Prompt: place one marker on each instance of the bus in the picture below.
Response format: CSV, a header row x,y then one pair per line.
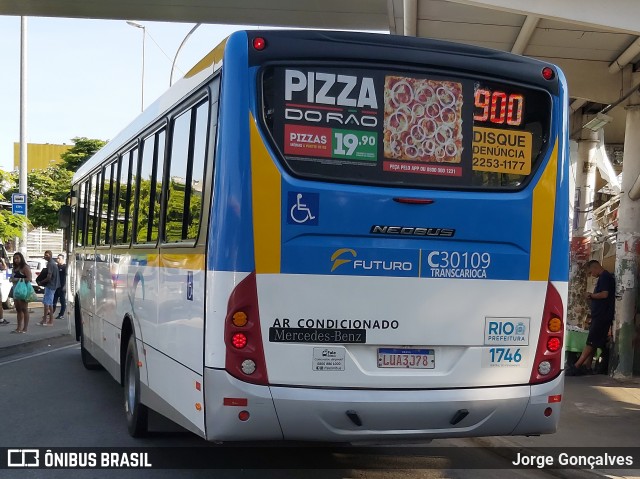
x,y
335,237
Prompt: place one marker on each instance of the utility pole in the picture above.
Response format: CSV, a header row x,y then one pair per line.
x,y
23,126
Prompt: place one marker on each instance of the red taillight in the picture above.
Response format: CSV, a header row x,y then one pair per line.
x,y
259,43
239,340
548,73
245,354
553,344
547,363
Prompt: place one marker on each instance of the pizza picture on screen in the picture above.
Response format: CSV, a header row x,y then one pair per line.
x,y
422,120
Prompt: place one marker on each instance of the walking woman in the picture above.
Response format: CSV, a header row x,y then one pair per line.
x,y
21,271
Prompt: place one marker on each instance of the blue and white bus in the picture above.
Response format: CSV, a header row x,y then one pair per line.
x,y
333,236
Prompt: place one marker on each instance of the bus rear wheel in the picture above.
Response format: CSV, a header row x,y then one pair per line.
x,y
136,412
88,361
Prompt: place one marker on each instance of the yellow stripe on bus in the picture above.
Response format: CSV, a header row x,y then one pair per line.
x,y
193,262
265,180
542,215
190,261
212,58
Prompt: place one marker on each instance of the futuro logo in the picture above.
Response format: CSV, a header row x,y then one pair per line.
x,y
338,261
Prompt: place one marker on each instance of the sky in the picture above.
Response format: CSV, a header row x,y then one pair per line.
x,y
84,76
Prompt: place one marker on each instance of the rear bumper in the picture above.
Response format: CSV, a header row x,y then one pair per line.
x,y
321,414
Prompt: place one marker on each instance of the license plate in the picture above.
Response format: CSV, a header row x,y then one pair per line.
x,y
406,358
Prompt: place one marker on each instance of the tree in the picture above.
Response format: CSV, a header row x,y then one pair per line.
x,y
47,192
83,149
47,189
10,224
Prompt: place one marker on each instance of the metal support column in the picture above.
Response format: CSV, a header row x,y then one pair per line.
x,y
627,250
585,178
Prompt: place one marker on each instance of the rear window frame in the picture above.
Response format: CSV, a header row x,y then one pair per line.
x,y
546,136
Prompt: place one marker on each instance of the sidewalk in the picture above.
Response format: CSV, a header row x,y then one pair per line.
x,y
11,343
597,411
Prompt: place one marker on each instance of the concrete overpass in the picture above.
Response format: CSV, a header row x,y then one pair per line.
x,y
596,43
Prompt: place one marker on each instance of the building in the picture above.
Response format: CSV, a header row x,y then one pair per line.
x,y
39,156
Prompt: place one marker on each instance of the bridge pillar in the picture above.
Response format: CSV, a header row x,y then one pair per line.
x,y
585,180
627,250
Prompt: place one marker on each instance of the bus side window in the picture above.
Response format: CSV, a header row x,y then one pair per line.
x,y
93,206
186,174
158,162
194,206
131,196
144,196
177,178
107,205
82,215
122,200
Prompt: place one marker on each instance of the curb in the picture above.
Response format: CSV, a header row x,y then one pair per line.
x,y
27,347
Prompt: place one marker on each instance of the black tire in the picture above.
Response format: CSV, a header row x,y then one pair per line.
x,y
136,412
88,361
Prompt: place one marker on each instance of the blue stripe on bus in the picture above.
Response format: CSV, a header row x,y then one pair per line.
x,y
231,248
559,270
311,247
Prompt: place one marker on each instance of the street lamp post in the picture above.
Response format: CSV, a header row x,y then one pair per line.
x,y
23,125
144,35
173,65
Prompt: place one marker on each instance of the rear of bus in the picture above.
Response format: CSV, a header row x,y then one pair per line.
x,y
388,251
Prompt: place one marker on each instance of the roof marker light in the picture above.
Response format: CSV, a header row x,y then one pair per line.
x,y
548,73
259,43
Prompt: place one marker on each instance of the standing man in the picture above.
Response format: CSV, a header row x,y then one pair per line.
x,y
61,292
51,283
603,304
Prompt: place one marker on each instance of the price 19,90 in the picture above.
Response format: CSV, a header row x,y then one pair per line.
x,y
356,145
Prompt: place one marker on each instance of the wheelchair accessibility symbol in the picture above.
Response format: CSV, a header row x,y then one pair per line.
x,y
303,208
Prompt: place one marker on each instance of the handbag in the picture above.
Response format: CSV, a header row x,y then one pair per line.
x,y
32,297
21,291
42,276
